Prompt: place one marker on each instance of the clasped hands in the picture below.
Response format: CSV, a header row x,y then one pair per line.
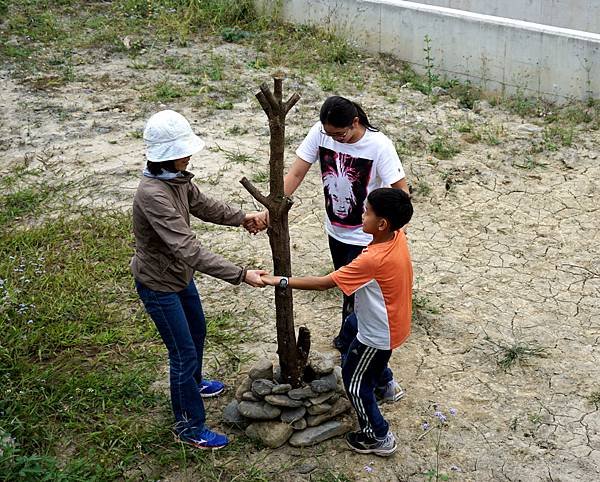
x,y
259,278
256,222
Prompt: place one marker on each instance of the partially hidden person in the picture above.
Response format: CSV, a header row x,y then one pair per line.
x,y
354,158
381,279
167,253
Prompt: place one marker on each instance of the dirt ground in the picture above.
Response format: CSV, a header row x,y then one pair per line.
x,y
504,241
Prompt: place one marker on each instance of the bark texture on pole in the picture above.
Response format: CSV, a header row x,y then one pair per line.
x,y
293,354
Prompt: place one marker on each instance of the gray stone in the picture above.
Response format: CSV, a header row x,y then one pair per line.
x,y
322,363
283,401
302,393
318,409
314,435
341,406
281,388
258,410
277,374
243,387
299,424
262,387
262,369
231,415
293,414
250,397
272,434
307,467
438,91
529,129
324,384
322,398
340,381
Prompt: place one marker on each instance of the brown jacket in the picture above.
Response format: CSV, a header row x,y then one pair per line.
x,y
167,252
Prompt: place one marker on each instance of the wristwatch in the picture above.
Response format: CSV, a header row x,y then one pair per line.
x,y
283,282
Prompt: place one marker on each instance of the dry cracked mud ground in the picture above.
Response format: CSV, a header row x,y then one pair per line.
x,y
504,239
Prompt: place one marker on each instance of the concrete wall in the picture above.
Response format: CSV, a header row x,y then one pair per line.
x,y
573,14
497,53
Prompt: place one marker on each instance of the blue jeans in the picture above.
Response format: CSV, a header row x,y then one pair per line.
x,y
361,371
179,318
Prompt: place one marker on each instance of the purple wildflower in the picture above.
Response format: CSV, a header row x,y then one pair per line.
x,y
441,417
425,425
453,412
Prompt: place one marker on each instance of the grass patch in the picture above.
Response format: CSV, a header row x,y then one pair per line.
x,y
443,147
78,355
422,307
165,91
508,355
594,398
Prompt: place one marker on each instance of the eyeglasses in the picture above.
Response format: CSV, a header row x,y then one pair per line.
x,y
338,135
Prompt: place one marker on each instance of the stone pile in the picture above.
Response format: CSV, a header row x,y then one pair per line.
x,y
274,413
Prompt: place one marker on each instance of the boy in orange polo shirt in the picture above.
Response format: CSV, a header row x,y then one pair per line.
x,y
381,276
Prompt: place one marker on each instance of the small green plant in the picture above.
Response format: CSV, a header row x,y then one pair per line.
x,y
237,130
431,77
555,135
237,157
234,34
422,188
594,398
261,176
442,147
466,93
165,91
528,163
215,70
508,355
422,306
464,127
327,81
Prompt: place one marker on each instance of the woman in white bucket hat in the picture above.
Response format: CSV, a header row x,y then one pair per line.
x,y
167,253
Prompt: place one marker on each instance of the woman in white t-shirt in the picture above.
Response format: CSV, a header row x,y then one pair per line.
x,y
354,158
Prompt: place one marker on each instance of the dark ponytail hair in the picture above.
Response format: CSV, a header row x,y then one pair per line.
x,y
340,112
156,168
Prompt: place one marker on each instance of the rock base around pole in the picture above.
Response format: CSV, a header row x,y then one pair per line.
x,y
273,413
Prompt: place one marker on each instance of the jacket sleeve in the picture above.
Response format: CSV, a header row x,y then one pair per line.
x,y
212,210
174,231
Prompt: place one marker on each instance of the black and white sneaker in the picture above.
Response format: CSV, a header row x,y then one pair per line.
x,y
363,444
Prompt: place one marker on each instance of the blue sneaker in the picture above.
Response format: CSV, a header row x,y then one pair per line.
x,y
203,439
210,388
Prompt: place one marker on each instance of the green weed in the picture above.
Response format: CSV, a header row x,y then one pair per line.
x,y
260,176
422,188
431,77
528,163
237,157
594,398
556,135
327,81
443,147
165,91
508,355
422,307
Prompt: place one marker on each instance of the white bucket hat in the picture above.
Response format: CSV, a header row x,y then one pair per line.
x,y
168,136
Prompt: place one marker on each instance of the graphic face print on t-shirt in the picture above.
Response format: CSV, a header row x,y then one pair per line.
x,y
345,180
